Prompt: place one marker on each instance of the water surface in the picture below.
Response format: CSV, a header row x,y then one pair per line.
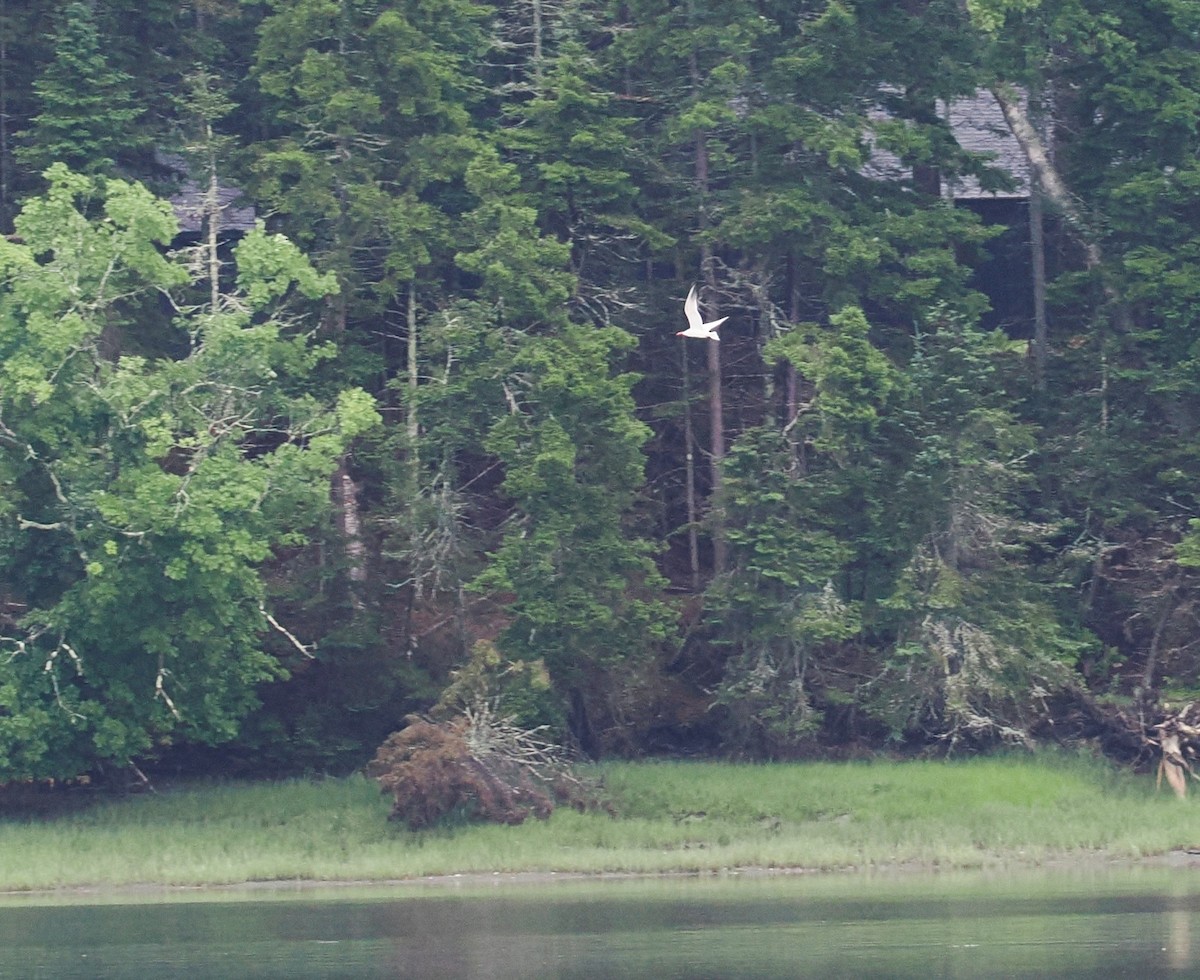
x,y
1133,923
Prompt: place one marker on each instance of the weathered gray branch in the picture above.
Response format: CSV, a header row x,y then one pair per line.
x,y
1045,173
286,632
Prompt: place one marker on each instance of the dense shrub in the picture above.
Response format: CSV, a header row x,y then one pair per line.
x,y
475,765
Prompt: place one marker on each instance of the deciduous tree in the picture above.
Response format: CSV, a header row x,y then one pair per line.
x,y
156,450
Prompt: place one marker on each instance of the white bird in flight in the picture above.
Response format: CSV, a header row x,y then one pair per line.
x,y
696,326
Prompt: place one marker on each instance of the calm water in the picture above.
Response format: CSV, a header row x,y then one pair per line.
x,y
1128,923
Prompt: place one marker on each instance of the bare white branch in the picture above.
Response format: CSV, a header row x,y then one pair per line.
x,y
275,624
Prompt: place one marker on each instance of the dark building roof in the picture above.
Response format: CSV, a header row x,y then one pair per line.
x,y
979,126
190,201
190,204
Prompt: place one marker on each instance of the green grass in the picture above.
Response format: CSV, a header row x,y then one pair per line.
x,y
673,816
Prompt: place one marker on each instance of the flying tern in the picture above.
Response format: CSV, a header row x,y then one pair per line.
x,y
696,326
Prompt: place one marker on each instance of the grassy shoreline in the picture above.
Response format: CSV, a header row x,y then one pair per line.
x,y
673,817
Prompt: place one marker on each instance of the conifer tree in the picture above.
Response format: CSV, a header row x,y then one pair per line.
x,y
979,646
85,113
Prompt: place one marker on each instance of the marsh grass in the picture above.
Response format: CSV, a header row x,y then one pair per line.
x,y
673,816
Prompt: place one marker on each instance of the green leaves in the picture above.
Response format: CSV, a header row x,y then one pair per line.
x,y
370,136
59,288
990,15
270,265
168,478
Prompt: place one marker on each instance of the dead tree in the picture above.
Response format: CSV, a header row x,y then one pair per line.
x,y
1177,737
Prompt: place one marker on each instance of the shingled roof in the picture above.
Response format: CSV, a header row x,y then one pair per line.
x,y
191,204
190,201
979,127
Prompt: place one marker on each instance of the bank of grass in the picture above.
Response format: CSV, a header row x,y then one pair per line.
x,y
672,816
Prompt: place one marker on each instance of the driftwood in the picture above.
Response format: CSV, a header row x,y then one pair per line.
x,y
1177,737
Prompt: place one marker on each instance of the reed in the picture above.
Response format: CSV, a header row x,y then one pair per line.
x,y
672,817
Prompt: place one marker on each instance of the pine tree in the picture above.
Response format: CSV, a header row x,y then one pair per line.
x,y
25,36
86,115
808,547
583,583
1118,89
979,644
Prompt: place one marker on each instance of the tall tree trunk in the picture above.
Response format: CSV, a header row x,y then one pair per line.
x,y
537,45
344,494
1046,174
1050,183
345,499
690,471
412,425
716,421
791,401
1037,250
5,162
716,408
212,220
343,491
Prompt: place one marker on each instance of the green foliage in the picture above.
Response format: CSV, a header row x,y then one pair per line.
x,y
918,526
367,109
778,609
521,271
584,589
85,108
148,490
796,527
978,648
1188,550
853,380
826,561
521,690
577,581
991,14
572,150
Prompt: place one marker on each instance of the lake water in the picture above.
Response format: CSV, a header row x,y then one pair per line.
x,y
1131,922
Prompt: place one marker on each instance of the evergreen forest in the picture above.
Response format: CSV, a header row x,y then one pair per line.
x,y
340,384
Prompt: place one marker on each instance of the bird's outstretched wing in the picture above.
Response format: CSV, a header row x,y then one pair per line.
x,y
691,309
696,326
